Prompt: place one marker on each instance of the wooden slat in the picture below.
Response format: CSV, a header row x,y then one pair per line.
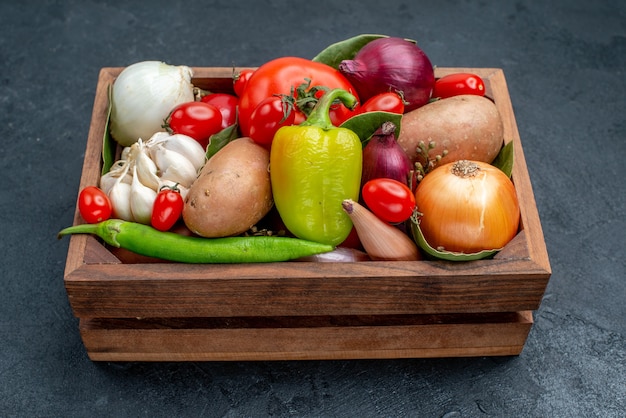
x,y
132,341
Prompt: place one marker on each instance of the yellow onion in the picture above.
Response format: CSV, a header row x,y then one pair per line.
x,y
467,207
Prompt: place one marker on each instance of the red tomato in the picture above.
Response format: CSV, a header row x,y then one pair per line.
x,y
271,114
283,76
94,205
389,199
168,206
240,80
195,119
226,104
384,102
457,84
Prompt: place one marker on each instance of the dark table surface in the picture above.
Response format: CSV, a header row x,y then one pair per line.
x,y
565,64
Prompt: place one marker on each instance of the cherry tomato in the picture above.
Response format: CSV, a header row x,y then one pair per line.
x,y
195,119
240,80
272,113
283,76
94,205
168,206
389,199
457,84
384,102
226,104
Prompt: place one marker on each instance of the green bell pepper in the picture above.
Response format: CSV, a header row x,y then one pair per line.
x,y
313,168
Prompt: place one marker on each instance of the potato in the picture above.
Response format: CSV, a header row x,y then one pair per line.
x,y
232,192
469,127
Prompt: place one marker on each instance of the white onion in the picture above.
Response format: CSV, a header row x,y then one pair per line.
x,y
143,95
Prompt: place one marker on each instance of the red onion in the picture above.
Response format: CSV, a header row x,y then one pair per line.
x,y
391,64
383,157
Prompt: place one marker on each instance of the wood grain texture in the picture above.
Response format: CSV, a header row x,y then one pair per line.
x,y
328,338
106,293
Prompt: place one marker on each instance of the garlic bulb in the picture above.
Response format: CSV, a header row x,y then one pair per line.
x,y
133,182
143,96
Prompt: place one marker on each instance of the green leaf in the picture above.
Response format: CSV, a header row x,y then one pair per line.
x,y
364,125
504,159
108,144
444,255
220,139
345,50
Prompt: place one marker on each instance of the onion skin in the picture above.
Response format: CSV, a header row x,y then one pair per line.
x,y
391,64
380,240
143,96
467,207
384,157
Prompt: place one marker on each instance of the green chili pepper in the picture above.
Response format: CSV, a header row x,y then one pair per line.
x,y
145,240
313,168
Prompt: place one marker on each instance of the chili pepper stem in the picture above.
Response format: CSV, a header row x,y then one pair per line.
x,y
106,230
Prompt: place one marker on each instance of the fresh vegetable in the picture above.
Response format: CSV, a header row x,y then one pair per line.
x,y
145,167
389,199
143,96
467,207
232,192
458,84
383,157
292,75
198,120
141,199
145,240
226,104
94,205
313,167
240,80
461,127
380,240
270,115
167,209
391,64
384,102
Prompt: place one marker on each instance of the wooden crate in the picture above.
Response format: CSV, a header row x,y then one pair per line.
x,y
158,311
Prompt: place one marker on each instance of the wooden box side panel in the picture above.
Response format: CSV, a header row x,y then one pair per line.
x,y
130,340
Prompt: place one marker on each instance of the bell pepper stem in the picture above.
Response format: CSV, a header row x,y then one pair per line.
x,y
320,115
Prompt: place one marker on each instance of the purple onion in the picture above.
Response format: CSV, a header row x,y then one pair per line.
x,y
384,158
391,64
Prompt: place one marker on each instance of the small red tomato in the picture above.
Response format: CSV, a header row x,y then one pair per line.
x,y
226,104
94,205
384,102
270,115
240,80
457,84
195,119
389,199
167,209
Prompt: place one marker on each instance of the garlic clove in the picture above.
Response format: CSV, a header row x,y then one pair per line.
x,y
141,200
187,147
146,170
120,200
173,166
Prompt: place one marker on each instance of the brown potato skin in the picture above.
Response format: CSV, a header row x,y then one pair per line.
x,y
232,191
469,127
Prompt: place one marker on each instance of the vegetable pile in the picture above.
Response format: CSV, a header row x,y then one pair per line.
x,y
357,154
